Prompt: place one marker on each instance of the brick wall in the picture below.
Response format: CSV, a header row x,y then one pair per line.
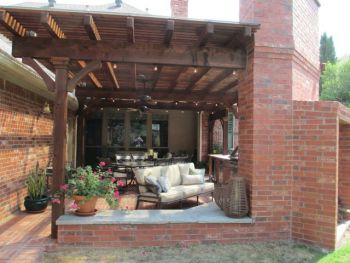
x,y
305,30
204,135
315,172
25,137
164,234
306,61
179,8
265,106
344,165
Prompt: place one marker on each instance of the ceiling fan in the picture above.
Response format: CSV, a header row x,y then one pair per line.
x,y
144,99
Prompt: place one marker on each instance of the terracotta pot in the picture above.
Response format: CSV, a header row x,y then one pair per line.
x,y
86,206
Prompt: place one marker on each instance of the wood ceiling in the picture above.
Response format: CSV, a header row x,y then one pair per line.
x,y
187,61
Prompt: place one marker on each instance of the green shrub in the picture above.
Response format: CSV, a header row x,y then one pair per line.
x,y
36,183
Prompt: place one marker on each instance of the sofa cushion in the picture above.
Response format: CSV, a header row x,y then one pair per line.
x,y
164,183
140,178
191,179
174,194
191,190
207,187
185,167
154,185
173,174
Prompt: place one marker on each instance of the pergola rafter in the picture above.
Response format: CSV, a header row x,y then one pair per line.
x,y
55,31
94,34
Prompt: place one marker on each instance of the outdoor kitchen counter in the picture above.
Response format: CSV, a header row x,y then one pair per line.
x,y
220,167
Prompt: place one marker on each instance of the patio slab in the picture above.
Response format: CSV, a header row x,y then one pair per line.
x,y
206,213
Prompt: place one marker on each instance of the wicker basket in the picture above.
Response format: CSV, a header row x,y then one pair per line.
x,y
232,197
218,195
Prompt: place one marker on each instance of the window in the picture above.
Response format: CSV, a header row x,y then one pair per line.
x,y
115,129
138,130
159,130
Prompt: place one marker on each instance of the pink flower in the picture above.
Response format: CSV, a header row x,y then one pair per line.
x,y
56,201
64,187
109,170
116,195
127,207
102,164
120,183
113,180
73,206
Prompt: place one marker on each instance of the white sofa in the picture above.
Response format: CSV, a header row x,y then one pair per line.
x,y
178,191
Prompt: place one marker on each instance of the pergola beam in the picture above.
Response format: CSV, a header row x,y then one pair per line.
x,y
232,85
56,32
156,77
145,53
82,73
216,81
169,31
130,26
197,78
206,34
93,33
195,96
176,77
160,105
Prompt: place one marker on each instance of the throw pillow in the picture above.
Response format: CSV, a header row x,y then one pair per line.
x,y
164,183
189,179
196,172
154,185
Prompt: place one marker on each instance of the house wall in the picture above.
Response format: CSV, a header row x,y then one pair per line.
x,y
25,137
182,131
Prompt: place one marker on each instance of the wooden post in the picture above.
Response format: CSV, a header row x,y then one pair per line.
x,y
225,134
59,133
81,140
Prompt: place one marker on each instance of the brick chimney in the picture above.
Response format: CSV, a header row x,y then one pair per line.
x,y
179,8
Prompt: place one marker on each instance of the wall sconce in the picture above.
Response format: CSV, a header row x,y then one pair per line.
x,y
46,108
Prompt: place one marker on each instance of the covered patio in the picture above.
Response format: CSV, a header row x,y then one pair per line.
x,y
132,68
131,71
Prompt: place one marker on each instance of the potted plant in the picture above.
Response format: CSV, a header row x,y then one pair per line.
x,y
86,185
37,200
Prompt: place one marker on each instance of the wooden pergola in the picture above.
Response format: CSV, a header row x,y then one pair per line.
x,y
193,65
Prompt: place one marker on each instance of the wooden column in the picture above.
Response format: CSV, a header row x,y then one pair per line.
x,y
149,131
81,140
59,133
225,134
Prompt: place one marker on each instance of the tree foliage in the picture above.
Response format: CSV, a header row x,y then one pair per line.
x,y
327,50
336,82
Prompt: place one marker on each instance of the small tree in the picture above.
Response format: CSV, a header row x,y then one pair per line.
x,y
336,82
327,50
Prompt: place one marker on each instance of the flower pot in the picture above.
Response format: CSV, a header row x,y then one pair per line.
x,y
36,206
86,206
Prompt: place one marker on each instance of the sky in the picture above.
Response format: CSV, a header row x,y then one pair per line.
x,y
333,14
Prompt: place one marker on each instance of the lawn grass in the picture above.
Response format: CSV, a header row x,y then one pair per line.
x,y
269,252
279,252
342,255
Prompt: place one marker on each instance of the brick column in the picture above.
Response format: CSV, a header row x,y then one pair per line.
x,y
265,106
